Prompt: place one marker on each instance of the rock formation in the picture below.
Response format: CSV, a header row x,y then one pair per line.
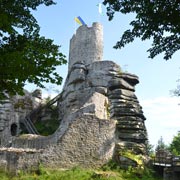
x,y
125,108
98,109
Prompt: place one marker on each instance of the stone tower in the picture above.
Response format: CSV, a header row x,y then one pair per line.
x,y
86,45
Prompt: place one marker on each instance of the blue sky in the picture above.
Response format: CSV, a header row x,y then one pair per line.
x,y
157,76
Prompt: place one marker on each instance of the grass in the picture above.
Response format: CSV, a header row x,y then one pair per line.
x,y
105,173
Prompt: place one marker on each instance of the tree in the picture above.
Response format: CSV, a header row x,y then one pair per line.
x,y
149,147
176,92
161,145
156,19
25,56
175,145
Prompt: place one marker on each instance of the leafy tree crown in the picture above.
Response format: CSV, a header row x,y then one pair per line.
x,y
155,19
25,56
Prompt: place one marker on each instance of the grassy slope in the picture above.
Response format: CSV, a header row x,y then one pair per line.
x,y
80,174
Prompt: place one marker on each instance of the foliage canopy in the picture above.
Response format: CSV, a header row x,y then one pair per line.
x,y
161,145
175,145
25,56
154,19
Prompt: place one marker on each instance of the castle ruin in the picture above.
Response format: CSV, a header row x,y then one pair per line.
x,y
99,114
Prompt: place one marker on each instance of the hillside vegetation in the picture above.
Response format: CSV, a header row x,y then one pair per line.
x,y
83,174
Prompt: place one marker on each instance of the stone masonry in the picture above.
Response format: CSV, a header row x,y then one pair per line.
x,y
99,112
12,111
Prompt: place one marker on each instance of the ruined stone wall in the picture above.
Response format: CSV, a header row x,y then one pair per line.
x,y
12,110
14,159
88,142
7,118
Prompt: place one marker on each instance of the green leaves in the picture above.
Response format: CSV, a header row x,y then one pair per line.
x,y
154,19
175,145
161,145
26,56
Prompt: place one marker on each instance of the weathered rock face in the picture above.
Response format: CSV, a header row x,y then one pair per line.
x,y
99,111
86,136
125,108
98,90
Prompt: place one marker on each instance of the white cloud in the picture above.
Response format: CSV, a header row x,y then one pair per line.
x,y
163,118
